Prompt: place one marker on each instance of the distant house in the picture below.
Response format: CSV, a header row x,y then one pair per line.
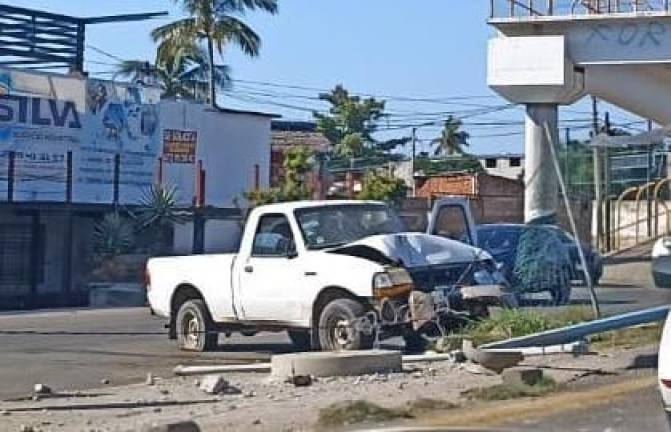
x,y
493,198
289,134
509,165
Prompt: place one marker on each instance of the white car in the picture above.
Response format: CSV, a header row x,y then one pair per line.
x,y
661,263
328,273
664,368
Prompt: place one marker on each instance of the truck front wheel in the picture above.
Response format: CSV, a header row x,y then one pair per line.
x,y
195,329
338,329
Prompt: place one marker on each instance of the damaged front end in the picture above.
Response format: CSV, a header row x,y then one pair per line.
x,y
429,284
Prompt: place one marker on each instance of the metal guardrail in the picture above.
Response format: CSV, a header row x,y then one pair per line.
x,y
540,8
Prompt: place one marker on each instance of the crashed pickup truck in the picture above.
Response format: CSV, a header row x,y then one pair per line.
x,y
336,275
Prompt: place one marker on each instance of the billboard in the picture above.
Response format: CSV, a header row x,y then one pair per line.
x,y
43,116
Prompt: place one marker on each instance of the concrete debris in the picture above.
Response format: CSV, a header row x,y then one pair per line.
x,y
104,381
522,376
187,426
42,389
216,384
476,369
494,360
205,370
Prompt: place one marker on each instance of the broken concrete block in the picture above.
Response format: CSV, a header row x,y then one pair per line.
x,y
216,384
42,389
187,426
522,376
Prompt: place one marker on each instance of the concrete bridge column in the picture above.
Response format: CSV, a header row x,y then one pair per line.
x,y
540,179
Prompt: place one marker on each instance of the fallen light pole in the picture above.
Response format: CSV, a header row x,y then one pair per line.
x,y
567,335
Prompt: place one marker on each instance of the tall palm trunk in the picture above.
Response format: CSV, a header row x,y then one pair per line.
x,y
213,88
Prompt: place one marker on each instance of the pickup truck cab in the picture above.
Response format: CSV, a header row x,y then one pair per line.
x,y
335,274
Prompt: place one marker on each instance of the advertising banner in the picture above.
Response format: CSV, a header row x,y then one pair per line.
x,y
43,116
179,146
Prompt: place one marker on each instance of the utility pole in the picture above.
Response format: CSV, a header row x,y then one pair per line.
x,y
647,189
413,160
596,156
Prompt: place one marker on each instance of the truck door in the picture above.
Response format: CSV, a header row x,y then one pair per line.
x,y
451,218
269,274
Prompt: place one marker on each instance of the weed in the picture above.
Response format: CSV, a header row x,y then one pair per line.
x,y
360,411
506,391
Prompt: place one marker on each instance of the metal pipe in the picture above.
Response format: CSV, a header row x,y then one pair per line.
x,y
643,188
618,237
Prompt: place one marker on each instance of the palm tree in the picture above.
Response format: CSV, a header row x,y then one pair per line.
x,y
452,140
181,73
216,23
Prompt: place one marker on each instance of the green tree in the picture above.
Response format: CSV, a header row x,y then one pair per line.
x,y
215,23
382,187
297,164
181,73
351,123
452,139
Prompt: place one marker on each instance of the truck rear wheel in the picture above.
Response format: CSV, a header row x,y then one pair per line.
x,y
300,339
195,329
337,327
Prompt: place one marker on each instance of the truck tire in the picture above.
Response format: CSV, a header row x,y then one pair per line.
x,y
301,339
337,331
195,329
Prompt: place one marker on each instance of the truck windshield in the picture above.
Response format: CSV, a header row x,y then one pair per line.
x,y
330,226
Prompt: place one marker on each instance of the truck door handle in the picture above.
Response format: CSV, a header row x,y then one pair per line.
x,y
249,269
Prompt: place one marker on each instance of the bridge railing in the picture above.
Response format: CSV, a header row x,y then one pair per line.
x,y
540,8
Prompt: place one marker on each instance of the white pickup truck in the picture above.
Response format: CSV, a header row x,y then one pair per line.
x,y
335,274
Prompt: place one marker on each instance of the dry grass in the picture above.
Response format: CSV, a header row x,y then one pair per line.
x,y
507,391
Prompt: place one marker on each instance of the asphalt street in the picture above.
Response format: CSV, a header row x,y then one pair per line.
x,y
637,412
79,349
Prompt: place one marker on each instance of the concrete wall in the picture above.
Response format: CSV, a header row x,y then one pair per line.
x,y
229,144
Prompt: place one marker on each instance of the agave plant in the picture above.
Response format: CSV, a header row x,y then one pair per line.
x,y
113,235
159,207
157,213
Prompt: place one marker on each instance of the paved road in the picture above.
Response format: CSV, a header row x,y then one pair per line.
x,y
78,349
639,411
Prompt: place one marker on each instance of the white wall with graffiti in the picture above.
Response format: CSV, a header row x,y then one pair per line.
x,y
45,116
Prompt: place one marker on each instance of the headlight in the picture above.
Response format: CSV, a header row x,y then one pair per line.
x,y
392,283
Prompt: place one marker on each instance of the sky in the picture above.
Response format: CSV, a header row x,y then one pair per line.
x,y
427,58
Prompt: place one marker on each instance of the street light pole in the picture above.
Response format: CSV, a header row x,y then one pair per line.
x,y
414,156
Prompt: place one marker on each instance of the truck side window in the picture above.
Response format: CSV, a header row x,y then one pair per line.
x,y
273,237
452,223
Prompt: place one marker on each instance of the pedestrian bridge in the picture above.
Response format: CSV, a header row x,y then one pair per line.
x,y
553,52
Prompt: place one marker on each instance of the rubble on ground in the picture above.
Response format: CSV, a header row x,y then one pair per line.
x,y
260,403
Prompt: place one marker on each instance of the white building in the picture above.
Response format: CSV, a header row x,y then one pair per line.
x,y
234,149
509,165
